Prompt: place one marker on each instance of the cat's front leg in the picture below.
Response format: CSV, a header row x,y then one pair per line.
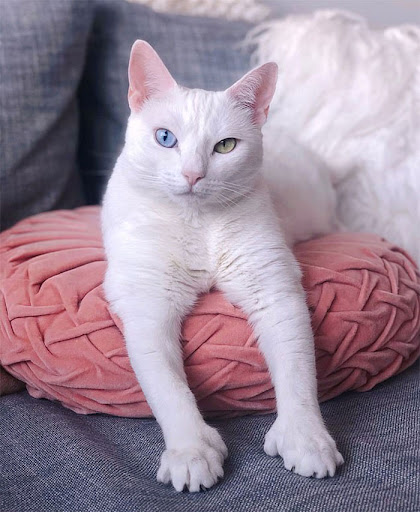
x,y
260,274
195,452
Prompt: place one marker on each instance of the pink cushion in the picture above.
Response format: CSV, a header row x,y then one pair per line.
x,y
59,336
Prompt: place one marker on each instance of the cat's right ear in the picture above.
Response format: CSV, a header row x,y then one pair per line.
x,y
147,75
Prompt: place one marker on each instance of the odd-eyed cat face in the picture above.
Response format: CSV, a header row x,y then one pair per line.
x,y
195,146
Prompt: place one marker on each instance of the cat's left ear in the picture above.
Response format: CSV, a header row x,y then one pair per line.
x,y
147,75
255,91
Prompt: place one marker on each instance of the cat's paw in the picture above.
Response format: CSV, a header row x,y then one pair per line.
x,y
306,447
196,465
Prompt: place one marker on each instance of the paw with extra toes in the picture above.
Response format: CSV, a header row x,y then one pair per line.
x,y
196,465
307,450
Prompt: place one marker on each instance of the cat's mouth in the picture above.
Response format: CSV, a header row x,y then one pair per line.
x,y
190,193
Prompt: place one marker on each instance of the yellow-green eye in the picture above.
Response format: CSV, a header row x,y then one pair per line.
x,y
225,145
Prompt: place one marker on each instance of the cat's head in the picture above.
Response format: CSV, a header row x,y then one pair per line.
x,y
195,146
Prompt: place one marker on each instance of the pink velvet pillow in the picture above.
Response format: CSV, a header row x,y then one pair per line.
x,y
59,336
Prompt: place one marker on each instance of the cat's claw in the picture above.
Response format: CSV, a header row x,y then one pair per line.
x,y
195,466
306,448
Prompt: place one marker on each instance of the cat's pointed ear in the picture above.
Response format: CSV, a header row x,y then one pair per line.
x,y
147,75
255,91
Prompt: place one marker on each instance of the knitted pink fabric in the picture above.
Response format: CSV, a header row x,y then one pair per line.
x,y
59,336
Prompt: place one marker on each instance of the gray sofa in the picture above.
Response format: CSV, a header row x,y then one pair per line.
x,y
63,110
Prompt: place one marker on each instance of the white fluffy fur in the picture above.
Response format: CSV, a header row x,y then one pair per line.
x,y
247,10
351,95
166,244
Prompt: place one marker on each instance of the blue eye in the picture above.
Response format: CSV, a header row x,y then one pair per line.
x,y
165,138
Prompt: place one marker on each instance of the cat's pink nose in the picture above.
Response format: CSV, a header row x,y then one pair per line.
x,y
192,177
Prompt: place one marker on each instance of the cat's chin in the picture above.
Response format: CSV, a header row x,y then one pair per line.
x,y
191,196
195,201
188,193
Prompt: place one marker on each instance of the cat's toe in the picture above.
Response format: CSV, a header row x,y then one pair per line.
x,y
316,465
270,444
163,474
201,475
194,468
214,439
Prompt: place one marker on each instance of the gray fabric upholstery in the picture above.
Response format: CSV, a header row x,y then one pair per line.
x,y
42,49
52,460
199,52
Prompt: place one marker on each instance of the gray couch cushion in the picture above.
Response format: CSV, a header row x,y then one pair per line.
x,y
52,460
42,49
199,52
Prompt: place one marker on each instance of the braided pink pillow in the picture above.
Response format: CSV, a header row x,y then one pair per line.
x,y
59,337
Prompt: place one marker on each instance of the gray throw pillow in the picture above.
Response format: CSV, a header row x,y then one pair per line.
x,y
199,52
42,51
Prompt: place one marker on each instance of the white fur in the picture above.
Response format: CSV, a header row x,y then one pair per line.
x,y
247,10
351,95
165,246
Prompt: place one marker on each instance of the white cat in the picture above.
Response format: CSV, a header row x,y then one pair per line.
x,y
187,209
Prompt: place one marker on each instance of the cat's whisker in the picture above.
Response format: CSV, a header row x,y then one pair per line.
x,y
235,190
222,203
237,194
234,187
229,201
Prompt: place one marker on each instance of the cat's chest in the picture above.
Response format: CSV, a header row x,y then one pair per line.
x,y
192,256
